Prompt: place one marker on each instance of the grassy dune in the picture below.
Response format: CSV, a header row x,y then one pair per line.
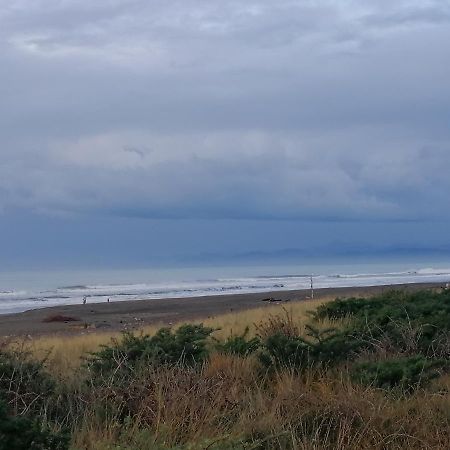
x,y
226,402
355,374
64,353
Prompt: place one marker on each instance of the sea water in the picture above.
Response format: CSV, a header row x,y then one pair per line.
x,y
24,290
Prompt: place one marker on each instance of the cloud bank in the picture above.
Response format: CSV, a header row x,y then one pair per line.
x,y
328,110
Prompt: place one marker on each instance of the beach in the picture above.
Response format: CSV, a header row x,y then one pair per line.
x,y
132,315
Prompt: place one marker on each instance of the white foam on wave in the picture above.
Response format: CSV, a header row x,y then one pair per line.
x,y
432,272
13,294
20,300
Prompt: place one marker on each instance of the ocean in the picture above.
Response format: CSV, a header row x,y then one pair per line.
x,y
25,290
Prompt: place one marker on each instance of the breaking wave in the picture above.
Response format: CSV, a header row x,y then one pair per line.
x,y
16,300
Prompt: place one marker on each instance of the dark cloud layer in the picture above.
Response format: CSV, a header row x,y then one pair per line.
x,y
329,110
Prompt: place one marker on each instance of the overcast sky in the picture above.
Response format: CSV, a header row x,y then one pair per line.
x,y
143,129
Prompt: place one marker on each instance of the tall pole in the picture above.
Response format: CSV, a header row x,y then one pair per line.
x,y
312,288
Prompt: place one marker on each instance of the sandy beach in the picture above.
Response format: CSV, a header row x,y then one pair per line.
x,y
128,315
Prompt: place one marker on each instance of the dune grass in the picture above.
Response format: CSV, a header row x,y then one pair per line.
x,y
64,354
224,400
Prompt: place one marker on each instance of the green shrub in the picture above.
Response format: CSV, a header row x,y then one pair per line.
x,y
21,433
408,322
321,348
187,345
281,351
341,308
239,345
24,382
405,373
396,321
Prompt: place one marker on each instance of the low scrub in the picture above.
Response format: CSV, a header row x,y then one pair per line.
x,y
185,346
407,373
327,385
238,345
24,382
407,322
318,348
21,433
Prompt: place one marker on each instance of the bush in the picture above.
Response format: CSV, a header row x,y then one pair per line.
x,y
187,345
395,322
239,345
24,382
321,348
21,433
341,308
281,351
409,322
278,324
404,373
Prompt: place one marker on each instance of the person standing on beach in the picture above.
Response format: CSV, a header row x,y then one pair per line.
x,y
84,300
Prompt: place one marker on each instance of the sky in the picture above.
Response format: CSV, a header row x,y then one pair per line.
x,y
139,132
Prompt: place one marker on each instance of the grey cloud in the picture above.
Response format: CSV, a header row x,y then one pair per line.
x,y
435,12
226,109
138,151
237,175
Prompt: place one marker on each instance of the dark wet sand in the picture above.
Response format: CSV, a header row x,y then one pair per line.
x,y
133,314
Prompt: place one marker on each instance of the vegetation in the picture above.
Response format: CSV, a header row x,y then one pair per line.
x,y
406,373
409,322
26,393
238,344
18,432
24,382
185,346
356,373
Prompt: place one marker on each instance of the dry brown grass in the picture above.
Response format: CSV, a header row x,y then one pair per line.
x,y
230,398
227,399
65,352
236,322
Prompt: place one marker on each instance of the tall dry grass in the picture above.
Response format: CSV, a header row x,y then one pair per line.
x,y
229,400
64,353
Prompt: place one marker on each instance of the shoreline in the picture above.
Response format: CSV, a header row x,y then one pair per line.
x,y
133,314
